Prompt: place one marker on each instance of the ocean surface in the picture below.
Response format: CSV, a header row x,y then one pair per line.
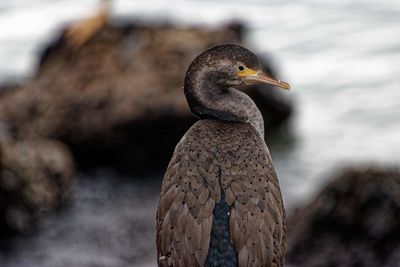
x,y
342,59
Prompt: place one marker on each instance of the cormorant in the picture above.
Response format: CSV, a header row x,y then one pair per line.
x,y
220,202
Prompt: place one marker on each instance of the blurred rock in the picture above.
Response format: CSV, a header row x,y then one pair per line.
x,y
7,87
36,177
118,99
354,221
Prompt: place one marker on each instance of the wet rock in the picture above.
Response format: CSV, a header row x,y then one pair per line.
x,y
36,177
354,221
118,100
8,86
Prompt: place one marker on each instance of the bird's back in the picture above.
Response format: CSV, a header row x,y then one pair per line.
x,y
220,201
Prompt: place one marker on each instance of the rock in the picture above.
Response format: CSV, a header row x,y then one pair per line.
x,y
8,87
36,177
118,99
354,221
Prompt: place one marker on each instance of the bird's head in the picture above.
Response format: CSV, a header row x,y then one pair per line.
x,y
230,65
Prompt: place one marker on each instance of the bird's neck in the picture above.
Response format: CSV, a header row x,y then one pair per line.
x,y
209,100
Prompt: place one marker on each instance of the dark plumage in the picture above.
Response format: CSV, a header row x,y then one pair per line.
x,y
220,202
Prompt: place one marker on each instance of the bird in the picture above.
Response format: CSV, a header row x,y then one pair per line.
x,y
80,32
220,201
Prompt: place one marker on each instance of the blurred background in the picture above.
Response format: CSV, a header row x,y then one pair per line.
x,y
91,107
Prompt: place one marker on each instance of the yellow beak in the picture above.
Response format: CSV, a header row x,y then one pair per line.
x,y
252,76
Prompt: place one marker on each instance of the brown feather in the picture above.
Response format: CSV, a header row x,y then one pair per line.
x,y
215,156
243,257
229,196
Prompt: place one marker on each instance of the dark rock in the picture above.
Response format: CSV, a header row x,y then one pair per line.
x,y
118,99
36,177
354,221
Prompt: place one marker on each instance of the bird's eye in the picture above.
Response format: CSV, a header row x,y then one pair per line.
x,y
241,68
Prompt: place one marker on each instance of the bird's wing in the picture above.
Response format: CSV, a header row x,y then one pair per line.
x,y
257,220
212,157
185,212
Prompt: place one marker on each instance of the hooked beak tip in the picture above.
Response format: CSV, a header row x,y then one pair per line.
x,y
263,78
283,85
